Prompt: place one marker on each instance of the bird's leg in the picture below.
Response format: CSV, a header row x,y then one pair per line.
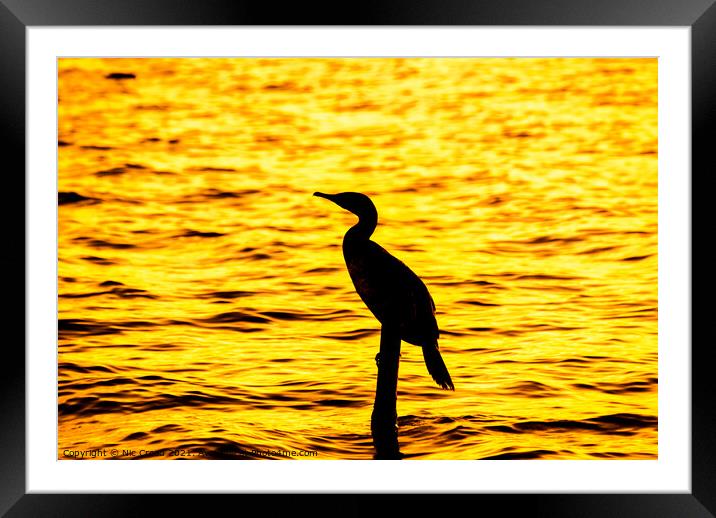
x,y
385,416
377,358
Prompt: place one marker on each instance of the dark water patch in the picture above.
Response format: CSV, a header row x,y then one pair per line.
x,y
549,327
152,107
97,148
341,403
133,324
645,310
72,327
462,283
258,257
163,347
351,335
604,232
112,382
284,315
494,200
614,424
100,243
480,329
502,428
121,75
115,171
598,250
70,197
458,434
151,139
518,134
444,420
284,87
549,239
135,436
84,369
593,209
476,303
236,316
68,327
568,360
118,171
111,283
124,293
267,139
554,288
509,332
542,277
533,389
152,377
323,269
209,169
611,455
197,233
94,405
628,420
80,347
637,257
523,455
215,194
337,314
230,295
213,325
288,230
619,388
412,420
167,428
87,406
63,143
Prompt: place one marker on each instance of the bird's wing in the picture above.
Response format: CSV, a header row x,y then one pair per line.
x,y
408,295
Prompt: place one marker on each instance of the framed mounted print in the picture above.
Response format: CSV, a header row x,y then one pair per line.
x,y
454,242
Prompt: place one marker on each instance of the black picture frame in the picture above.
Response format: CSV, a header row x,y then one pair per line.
x,y
17,15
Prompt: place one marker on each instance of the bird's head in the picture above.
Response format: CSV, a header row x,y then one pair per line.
x,y
355,202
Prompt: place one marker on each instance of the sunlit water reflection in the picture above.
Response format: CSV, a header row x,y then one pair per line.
x,y
203,299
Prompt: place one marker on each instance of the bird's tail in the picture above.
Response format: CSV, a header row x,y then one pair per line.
x,y
436,366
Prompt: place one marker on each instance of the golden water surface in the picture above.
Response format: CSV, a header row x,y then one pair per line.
x,y
204,306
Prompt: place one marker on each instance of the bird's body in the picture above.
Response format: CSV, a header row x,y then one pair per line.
x,y
393,292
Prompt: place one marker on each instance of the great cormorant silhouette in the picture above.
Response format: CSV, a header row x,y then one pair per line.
x,y
392,291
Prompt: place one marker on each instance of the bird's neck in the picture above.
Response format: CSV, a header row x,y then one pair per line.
x,y
362,230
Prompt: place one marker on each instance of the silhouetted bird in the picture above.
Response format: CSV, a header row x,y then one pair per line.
x,y
394,294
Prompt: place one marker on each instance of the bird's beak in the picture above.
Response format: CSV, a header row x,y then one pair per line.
x,y
323,195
